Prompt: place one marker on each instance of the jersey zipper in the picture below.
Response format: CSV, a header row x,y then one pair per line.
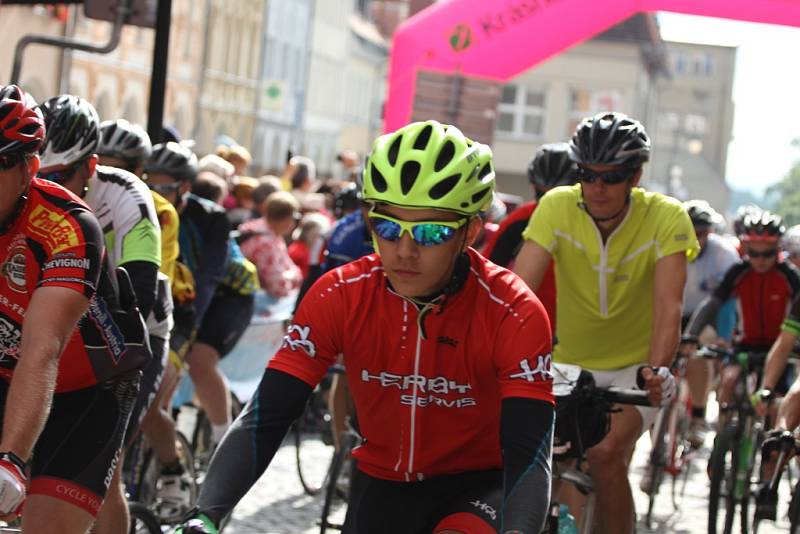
x,y
603,267
413,436
417,354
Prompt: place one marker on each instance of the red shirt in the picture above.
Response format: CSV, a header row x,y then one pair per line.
x,y
504,244
55,242
425,406
763,300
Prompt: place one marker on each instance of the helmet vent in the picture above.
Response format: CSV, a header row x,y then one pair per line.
x,y
422,139
394,150
408,176
445,156
477,197
377,179
444,187
485,171
29,129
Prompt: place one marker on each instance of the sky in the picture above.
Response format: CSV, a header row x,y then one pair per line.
x,y
766,93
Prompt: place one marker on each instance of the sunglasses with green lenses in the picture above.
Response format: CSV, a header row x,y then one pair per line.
x,y
424,233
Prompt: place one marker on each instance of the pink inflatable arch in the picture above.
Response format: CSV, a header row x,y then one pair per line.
x,y
498,39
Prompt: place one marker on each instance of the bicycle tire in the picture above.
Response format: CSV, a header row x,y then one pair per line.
x,y
682,454
794,510
744,505
143,521
332,492
307,434
186,458
723,478
657,462
201,436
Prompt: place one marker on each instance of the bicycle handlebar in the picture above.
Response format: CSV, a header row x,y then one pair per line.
x,y
635,397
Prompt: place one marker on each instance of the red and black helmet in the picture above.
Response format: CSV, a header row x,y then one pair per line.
x,y
21,122
761,226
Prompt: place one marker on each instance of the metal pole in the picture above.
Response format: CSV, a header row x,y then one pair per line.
x,y
116,31
158,80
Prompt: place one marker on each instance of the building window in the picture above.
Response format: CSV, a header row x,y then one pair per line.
x,y
694,124
586,103
520,112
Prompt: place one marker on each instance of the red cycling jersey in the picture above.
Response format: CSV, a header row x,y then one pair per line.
x,y
503,246
54,242
426,405
763,300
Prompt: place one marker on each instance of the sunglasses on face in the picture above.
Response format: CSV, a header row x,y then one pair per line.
x,y
9,162
608,177
424,233
164,188
765,254
58,176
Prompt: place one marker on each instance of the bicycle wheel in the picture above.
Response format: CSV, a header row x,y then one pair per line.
x,y
747,496
682,454
724,462
333,490
794,510
311,451
186,458
202,449
657,463
142,519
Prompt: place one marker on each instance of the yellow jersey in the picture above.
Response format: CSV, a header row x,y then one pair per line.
x,y
180,277
604,291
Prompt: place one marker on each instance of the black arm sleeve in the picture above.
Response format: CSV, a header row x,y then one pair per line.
x,y
508,243
526,437
705,314
249,445
211,267
707,311
144,278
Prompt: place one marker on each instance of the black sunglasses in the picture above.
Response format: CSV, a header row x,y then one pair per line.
x,y
765,254
10,161
608,177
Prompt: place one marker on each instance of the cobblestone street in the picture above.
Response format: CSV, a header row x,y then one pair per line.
x,y
277,504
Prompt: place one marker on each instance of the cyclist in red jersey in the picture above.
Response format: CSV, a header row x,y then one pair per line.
x,y
58,408
549,168
764,285
448,359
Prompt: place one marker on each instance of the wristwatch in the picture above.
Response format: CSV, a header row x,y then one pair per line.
x,y
14,459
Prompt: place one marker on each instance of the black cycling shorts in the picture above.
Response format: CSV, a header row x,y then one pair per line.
x,y
78,450
466,502
148,387
226,319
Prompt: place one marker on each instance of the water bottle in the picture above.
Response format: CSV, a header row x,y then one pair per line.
x,y
566,521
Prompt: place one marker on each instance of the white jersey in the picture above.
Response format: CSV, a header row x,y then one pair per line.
x,y
124,207
703,274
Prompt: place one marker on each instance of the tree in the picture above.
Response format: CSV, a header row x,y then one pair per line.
x,y
786,193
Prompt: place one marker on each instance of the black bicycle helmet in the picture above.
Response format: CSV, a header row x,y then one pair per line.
x,y
610,138
701,213
126,141
764,226
348,198
551,167
173,159
73,131
21,122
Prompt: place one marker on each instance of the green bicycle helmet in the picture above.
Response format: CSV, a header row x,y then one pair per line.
x,y
430,165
